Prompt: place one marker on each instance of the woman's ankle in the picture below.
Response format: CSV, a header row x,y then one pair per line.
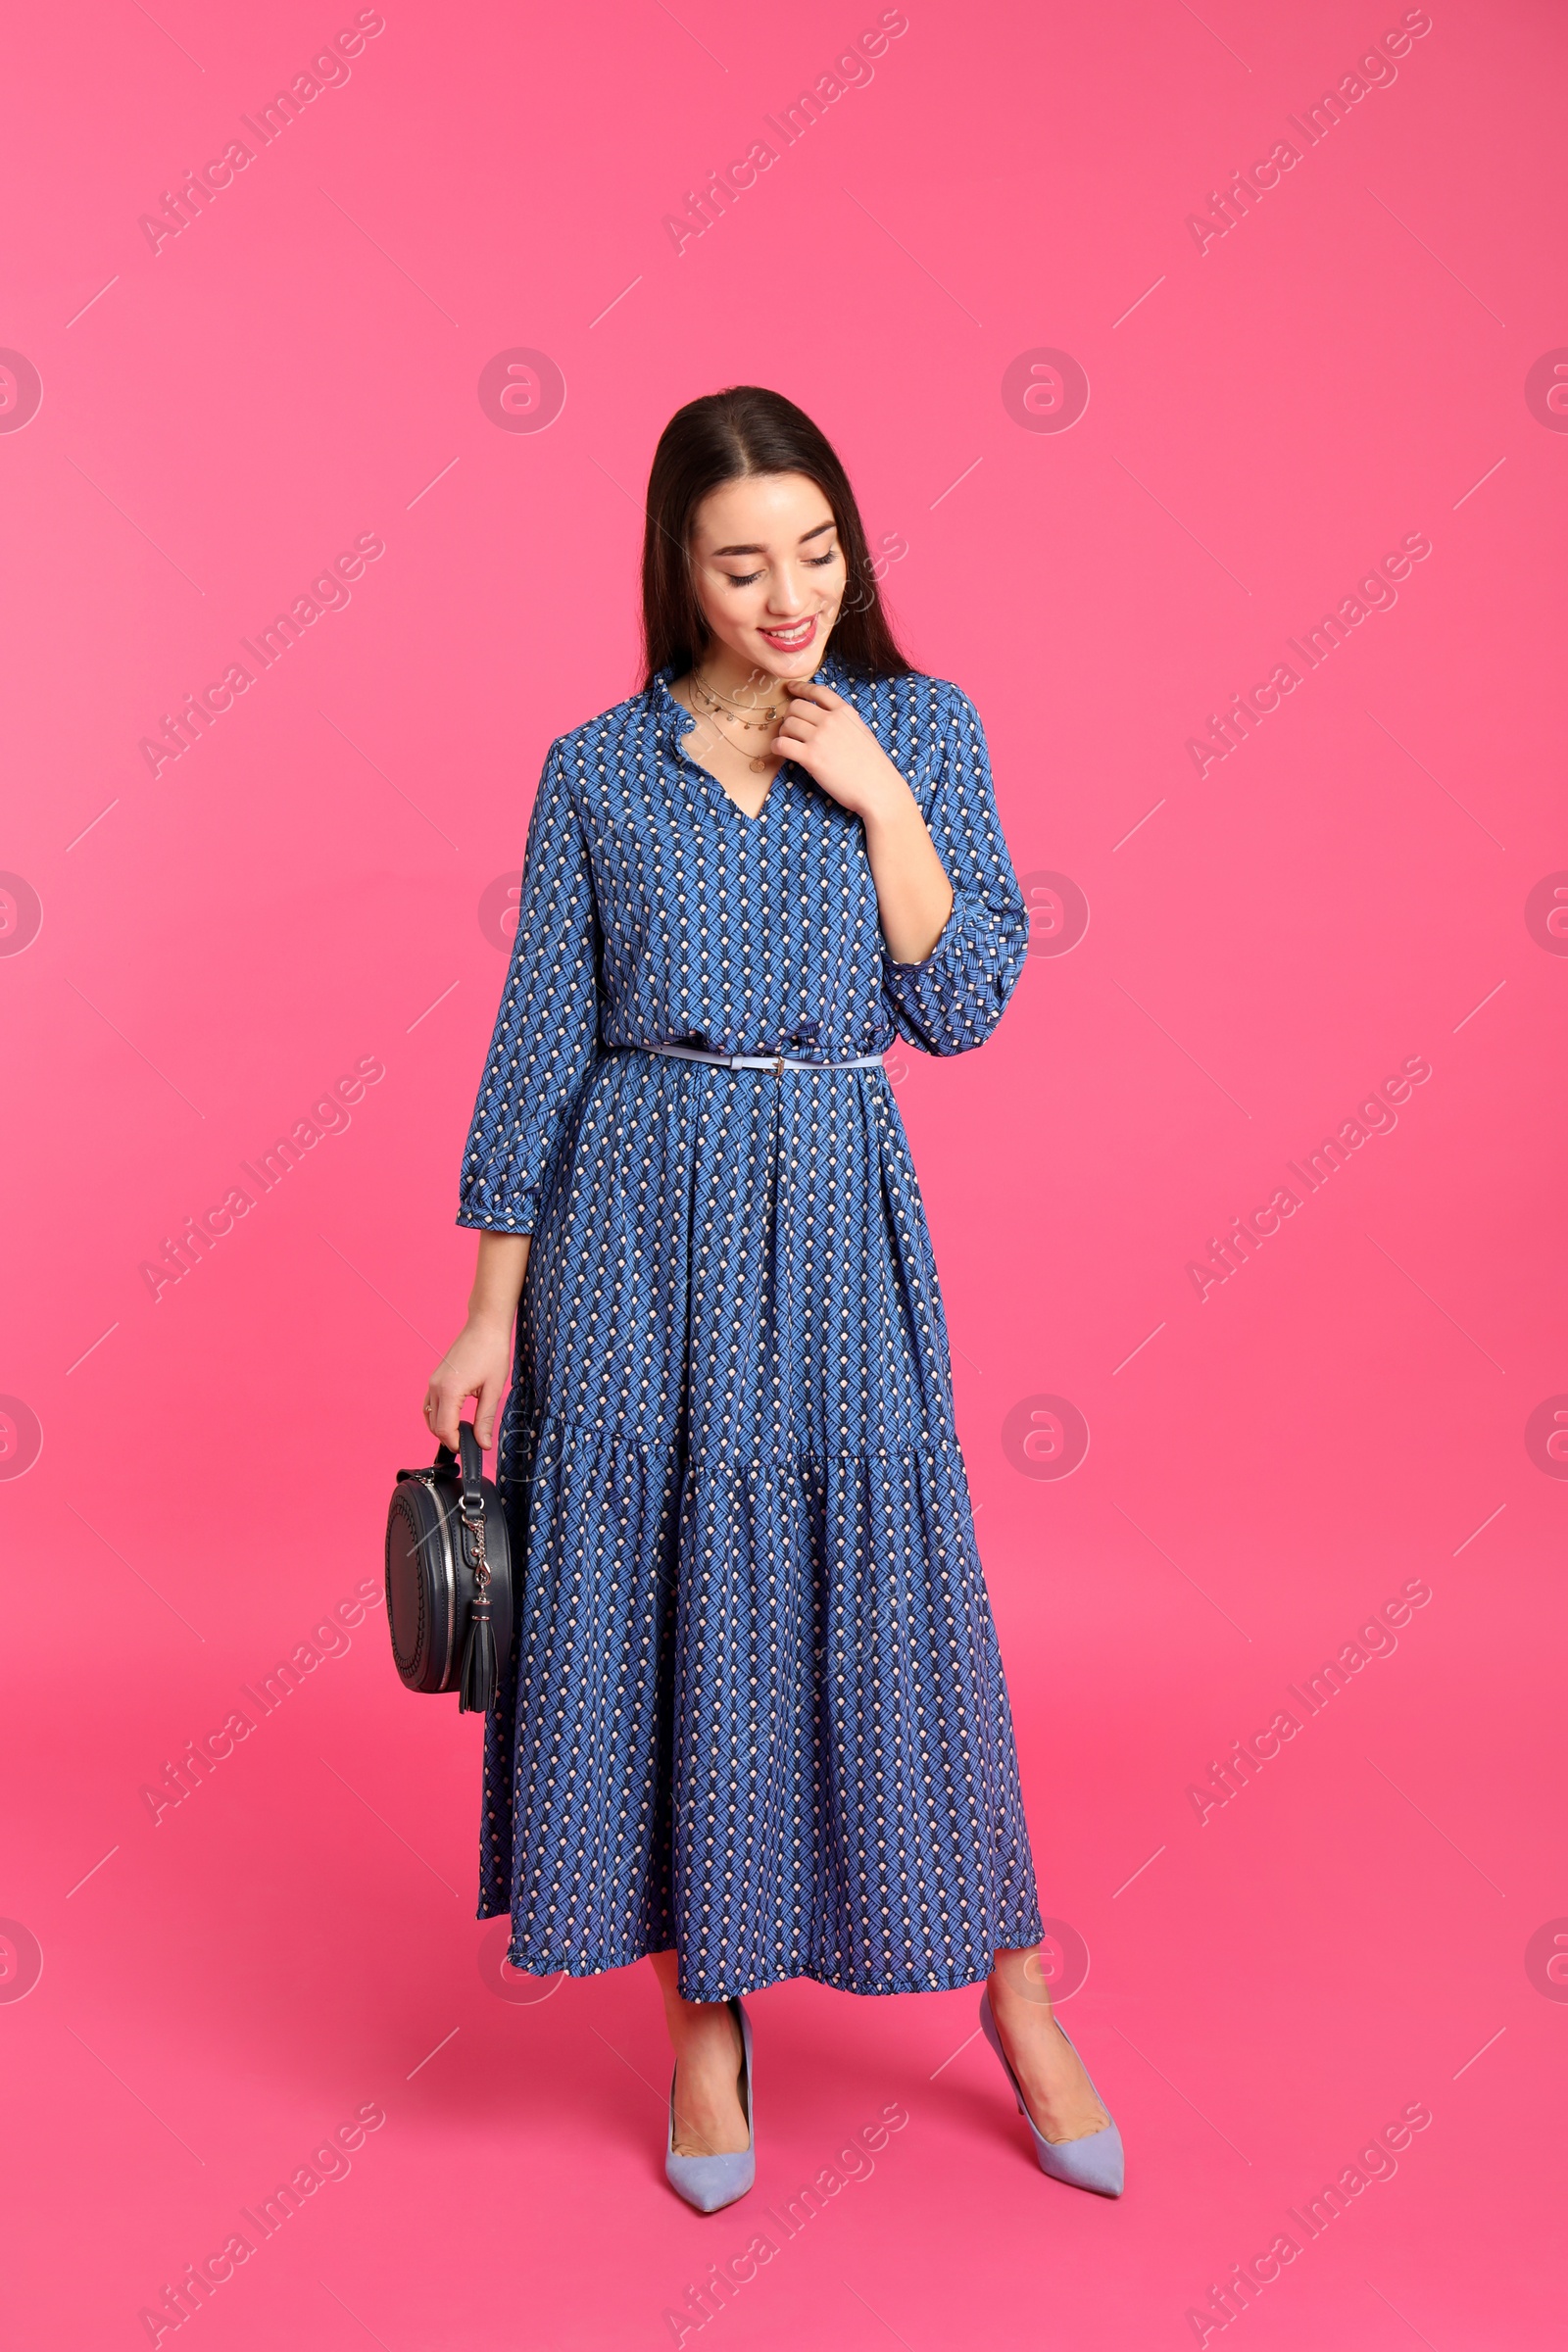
x,y
702,2028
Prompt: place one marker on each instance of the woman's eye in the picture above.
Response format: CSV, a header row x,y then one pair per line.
x,y
748,579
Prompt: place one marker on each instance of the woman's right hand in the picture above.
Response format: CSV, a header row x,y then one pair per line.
x,y
478,1363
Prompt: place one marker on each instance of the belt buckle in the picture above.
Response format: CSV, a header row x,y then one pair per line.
x,y
778,1065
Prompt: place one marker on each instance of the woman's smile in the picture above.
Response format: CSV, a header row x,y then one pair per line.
x,y
791,637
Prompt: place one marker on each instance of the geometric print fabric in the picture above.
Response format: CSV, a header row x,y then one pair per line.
x,y
755,1708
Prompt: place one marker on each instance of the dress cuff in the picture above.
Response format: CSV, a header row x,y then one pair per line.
x,y
516,1215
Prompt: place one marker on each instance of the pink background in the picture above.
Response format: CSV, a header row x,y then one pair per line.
x,y
1368,1922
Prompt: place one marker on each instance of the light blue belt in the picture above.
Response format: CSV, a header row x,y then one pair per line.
x,y
760,1061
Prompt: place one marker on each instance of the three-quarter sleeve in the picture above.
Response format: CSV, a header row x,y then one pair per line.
x,y
953,1001
547,1029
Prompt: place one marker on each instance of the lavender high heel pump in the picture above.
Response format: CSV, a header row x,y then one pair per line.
x,y
1096,2161
710,2182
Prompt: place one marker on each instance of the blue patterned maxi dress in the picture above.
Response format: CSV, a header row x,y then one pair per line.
x,y
755,1708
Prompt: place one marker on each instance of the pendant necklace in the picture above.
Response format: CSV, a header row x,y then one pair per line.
x,y
762,725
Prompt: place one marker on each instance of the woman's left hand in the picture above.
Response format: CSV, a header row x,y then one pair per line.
x,y
827,737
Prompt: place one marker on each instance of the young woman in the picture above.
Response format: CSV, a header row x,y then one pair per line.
x,y
753,1725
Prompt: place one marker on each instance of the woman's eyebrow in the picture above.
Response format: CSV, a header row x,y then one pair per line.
x,y
761,550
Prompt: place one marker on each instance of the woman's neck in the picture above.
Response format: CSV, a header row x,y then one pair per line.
x,y
726,674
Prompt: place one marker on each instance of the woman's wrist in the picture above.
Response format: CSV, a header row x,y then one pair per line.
x,y
490,1315
890,808
503,1263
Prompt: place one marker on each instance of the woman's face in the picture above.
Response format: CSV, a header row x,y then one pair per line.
x,y
770,573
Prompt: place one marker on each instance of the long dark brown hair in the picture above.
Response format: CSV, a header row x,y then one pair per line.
x,y
747,429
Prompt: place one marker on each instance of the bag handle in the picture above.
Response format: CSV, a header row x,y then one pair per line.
x,y
469,1473
478,1678
469,1470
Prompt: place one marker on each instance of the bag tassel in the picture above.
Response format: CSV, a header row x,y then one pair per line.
x,y
478,1688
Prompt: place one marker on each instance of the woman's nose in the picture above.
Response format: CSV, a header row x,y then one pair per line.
x,y
788,592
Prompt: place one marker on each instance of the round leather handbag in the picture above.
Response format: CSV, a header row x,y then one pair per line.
x,y
449,1605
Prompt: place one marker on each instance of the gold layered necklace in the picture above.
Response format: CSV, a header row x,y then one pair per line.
x,y
760,723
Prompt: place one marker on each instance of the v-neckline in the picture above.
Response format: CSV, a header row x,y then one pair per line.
x,y
723,800
689,717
